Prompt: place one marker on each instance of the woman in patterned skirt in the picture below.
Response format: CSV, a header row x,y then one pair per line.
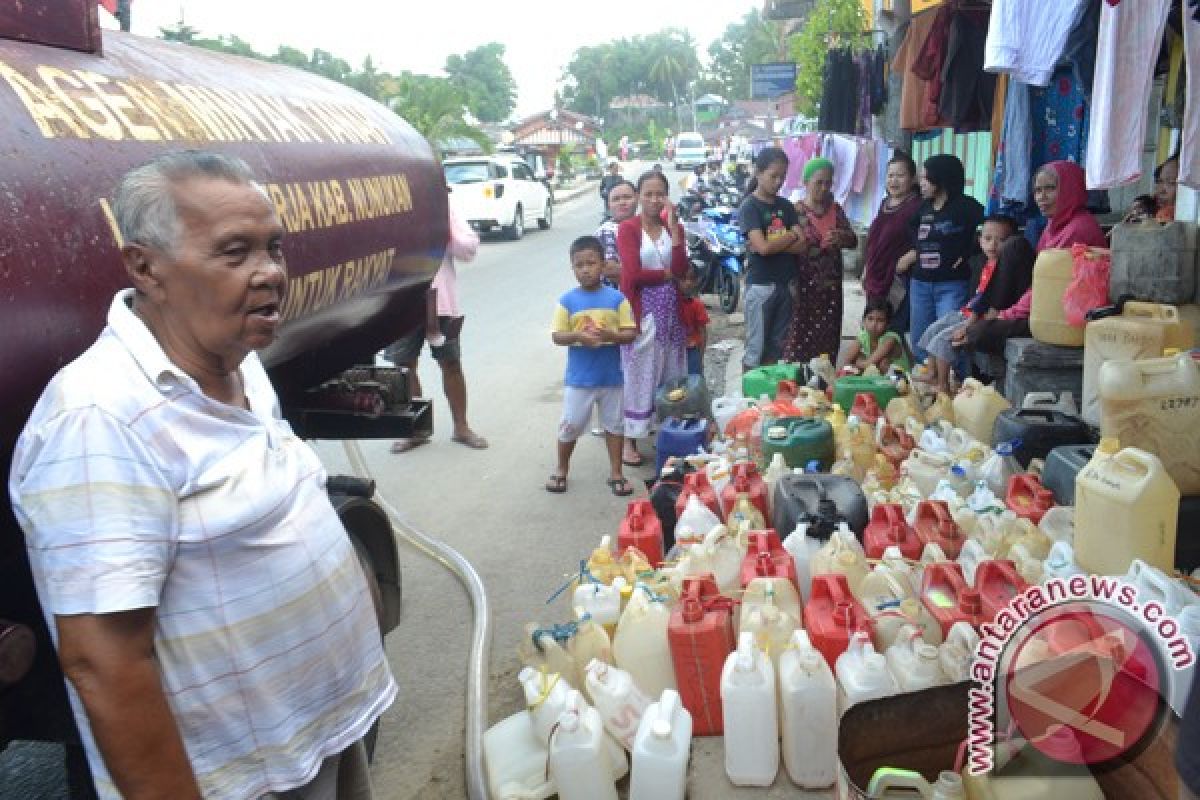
x,y
816,326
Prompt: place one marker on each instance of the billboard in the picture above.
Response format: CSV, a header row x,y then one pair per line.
x,y
768,81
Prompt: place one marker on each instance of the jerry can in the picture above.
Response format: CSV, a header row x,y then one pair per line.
x,y
997,582
1039,431
778,592
640,645
1126,507
599,601
1027,498
940,410
701,636
1031,775
766,558
1052,274
799,440
1154,261
641,529
946,595
808,712
976,408
679,437
1154,405
697,517
935,525
750,708
889,528
905,407
895,444
833,614
581,762
661,750
682,397
600,564
719,554
771,627
862,674
847,388
765,380
725,409
746,480
697,483
842,555
1127,331
516,760
913,662
1063,464
957,652
802,548
618,699
926,469
866,408
545,697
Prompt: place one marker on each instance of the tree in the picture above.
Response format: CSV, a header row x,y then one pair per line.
x,y
812,43
435,108
754,40
485,81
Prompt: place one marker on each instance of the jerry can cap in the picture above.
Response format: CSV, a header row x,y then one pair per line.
x,y
1109,445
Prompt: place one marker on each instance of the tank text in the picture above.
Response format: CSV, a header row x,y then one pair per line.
x,y
313,291
310,205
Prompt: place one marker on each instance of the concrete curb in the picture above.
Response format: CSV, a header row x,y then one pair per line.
x,y
567,194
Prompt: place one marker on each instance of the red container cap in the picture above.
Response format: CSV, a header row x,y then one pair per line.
x,y
693,610
969,602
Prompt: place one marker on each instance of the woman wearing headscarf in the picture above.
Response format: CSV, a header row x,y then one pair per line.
x,y
816,326
943,236
1060,191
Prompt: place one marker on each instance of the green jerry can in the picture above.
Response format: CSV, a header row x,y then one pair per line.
x,y
765,380
847,388
801,440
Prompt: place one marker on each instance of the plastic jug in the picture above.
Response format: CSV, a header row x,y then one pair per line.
x,y
777,592
600,602
808,713
926,469
724,409
641,528
997,582
862,674
932,554
772,629
803,548
957,652
841,555
866,408
746,480
976,408
679,437
682,397
719,554
1028,567
697,484
858,438
749,704
799,440
695,521
1060,563
940,410
846,466
889,528
640,644
1126,507
935,525
765,380
1154,260
601,564
661,750
516,760
1027,498
701,636
890,783
765,557
833,615
847,388
913,662
1039,431
970,557
1052,273
590,641
885,472
1062,465
581,764
888,596
546,648
545,699
776,469
945,593
984,501
618,699
903,408
1154,584
1154,405
1127,332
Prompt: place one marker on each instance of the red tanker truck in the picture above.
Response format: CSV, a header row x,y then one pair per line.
x,y
363,203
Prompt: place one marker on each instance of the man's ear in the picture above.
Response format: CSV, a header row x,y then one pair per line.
x,y
141,264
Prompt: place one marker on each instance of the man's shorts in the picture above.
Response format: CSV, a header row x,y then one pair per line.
x,y
577,411
408,349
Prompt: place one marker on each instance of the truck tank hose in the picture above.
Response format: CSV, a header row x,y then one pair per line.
x,y
481,630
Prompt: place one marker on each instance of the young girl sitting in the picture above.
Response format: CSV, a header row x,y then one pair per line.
x,y
876,345
1006,301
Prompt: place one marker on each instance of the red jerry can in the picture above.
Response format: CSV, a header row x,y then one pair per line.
x,y
696,483
832,615
1027,497
998,583
895,444
889,528
700,635
786,392
935,524
765,557
945,593
866,408
745,479
641,529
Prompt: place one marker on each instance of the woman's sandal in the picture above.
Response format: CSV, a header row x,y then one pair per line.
x,y
556,484
619,486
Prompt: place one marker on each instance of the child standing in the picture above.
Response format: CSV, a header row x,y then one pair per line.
x,y
591,321
876,346
694,317
938,339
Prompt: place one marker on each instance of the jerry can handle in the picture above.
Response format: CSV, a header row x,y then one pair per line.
x,y
1114,310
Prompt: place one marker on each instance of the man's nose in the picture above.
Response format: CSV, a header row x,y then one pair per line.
x,y
271,272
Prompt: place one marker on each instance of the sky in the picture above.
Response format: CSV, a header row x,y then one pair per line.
x,y
539,35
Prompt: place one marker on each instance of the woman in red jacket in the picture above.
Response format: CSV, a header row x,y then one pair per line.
x,y
651,254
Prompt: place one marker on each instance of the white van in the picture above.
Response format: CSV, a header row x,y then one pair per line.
x,y
689,150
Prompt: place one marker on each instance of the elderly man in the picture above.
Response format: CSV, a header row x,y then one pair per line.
x,y
211,618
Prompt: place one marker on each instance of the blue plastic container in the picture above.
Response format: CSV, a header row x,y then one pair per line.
x,y
679,437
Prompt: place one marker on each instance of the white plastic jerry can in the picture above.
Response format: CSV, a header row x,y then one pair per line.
x,y
581,762
516,760
956,654
970,557
1060,562
949,785
808,703
772,628
618,699
601,601
661,750
546,699
862,674
802,548
751,716
913,662
640,644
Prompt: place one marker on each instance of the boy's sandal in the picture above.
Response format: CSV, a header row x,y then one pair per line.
x,y
619,486
556,484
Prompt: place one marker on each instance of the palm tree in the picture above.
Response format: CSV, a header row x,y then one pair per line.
x,y
435,108
667,69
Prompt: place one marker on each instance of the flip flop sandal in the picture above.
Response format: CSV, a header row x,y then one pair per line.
x,y
556,484
619,486
404,445
473,441
639,463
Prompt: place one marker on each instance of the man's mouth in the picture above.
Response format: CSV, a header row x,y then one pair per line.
x,y
267,311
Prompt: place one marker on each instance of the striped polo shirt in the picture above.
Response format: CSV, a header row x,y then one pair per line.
x,y
136,490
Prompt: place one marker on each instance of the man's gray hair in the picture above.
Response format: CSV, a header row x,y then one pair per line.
x,y
144,205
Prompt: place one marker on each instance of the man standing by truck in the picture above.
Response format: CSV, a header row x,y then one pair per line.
x,y
208,609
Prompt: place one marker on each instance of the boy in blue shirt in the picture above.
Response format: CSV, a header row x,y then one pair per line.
x,y
591,321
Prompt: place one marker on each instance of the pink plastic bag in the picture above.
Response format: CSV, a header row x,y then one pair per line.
x,y
1089,286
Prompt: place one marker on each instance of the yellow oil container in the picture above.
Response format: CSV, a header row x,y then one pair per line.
x,y
976,408
1052,273
1126,507
1154,404
942,408
1136,330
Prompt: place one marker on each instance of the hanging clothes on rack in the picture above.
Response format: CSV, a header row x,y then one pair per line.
x,y
840,93
878,79
1026,38
1189,161
914,90
967,93
1080,48
928,66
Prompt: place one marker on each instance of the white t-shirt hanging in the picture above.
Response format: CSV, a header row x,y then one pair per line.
x,y
1026,38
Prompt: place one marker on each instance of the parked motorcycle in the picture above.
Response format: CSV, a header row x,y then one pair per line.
x,y
717,248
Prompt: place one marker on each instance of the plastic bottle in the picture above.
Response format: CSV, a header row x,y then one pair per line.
x,y
725,557
998,468
661,749
580,763
640,643
1060,562
751,716
602,603
808,709
913,662
862,674
618,699
545,698
957,652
